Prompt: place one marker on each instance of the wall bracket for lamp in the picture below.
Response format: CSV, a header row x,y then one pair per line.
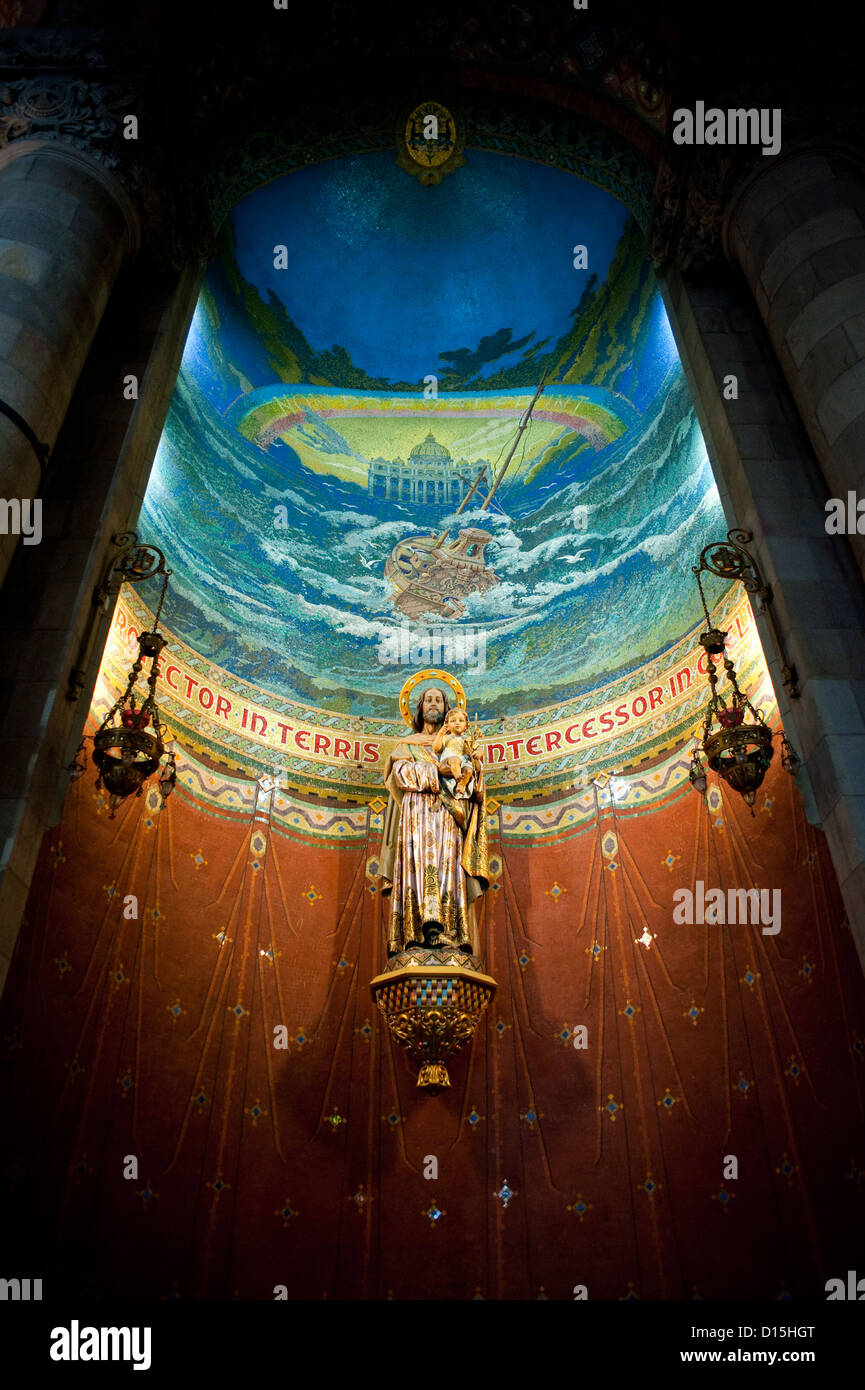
x,y
135,562
730,560
40,450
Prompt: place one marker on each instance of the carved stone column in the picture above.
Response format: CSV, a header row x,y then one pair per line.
x,y
797,229
770,485
782,420
73,189
67,225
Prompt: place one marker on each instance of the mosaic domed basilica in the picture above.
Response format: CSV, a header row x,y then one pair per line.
x,y
428,475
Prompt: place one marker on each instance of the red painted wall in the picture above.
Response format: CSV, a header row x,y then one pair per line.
x,y
304,1168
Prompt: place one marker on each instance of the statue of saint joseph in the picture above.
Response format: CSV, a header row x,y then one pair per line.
x,y
432,868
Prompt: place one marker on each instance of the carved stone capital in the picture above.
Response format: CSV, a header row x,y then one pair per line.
x,y
86,115
687,209
74,89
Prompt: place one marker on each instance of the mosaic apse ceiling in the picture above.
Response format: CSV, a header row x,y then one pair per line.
x,y
362,353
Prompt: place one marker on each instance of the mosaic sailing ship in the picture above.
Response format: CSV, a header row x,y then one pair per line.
x,y
431,574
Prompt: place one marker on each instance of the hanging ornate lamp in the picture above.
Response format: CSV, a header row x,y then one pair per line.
x,y
697,774
129,745
739,749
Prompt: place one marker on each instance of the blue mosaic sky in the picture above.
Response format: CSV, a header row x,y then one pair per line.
x,y
388,281
402,272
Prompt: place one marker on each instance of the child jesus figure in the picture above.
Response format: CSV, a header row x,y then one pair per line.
x,y
452,745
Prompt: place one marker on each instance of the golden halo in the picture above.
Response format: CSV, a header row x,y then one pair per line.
x,y
414,681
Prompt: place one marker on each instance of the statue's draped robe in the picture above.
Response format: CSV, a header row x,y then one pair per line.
x,y
432,869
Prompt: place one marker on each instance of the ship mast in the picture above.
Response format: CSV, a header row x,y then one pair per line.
x,y
523,426
470,493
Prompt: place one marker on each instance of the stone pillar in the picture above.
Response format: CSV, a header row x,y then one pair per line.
x,y
49,625
771,485
66,228
797,229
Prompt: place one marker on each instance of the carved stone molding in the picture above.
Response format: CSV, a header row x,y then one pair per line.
x,y
688,208
696,185
560,140
88,115
68,84
83,49
222,103
205,107
695,194
74,88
